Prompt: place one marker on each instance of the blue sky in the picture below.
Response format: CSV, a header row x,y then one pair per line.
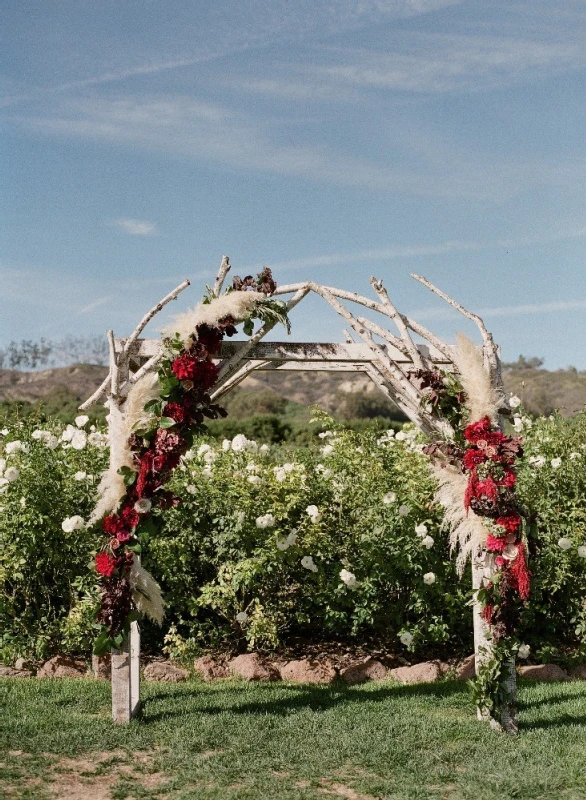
x,y
330,140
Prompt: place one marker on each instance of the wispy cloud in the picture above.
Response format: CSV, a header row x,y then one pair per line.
x,y
557,306
135,227
101,301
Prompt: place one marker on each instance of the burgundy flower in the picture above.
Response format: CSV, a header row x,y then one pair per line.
x,y
510,522
478,430
208,340
500,561
177,412
495,544
487,614
184,367
130,517
144,487
113,525
520,575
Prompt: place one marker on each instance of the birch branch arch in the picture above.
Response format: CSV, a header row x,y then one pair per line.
x,y
392,360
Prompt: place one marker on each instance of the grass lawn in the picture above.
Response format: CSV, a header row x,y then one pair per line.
x,y
235,740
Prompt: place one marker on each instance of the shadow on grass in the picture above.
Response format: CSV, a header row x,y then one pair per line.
x,y
316,698
553,717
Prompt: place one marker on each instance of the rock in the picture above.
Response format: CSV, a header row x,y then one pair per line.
x,y
102,666
465,670
165,672
578,673
209,669
13,672
544,672
369,670
425,672
62,667
306,671
250,667
21,663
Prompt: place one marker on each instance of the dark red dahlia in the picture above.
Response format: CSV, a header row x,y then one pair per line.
x,y
473,457
113,525
177,412
495,544
130,517
184,367
510,522
478,431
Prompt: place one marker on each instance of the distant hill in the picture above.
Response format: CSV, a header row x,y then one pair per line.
x,y
61,390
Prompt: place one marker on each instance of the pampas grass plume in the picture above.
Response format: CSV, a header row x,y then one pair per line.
x,y
146,593
237,305
481,398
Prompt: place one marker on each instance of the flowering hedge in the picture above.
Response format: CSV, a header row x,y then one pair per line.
x,y
271,543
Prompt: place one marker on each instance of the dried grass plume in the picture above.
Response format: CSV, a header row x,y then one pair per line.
x,y
481,397
146,593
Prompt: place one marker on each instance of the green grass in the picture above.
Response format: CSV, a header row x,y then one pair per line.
x,y
234,740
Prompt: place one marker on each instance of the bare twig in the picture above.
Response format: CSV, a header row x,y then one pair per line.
x,y
114,368
221,276
378,287
384,334
154,310
100,392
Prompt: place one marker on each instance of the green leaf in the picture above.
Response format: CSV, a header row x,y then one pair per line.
x,y
166,422
153,405
248,327
103,643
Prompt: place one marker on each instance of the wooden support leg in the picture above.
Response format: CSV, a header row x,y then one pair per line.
x,y
126,678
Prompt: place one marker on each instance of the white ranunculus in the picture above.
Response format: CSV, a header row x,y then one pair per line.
x,y
191,489
400,436
582,551
389,497
524,651
241,617
404,511
97,439
514,401
254,479
203,448
81,420
564,543
307,563
428,542
429,578
349,579
406,639
556,463
421,529
80,476
226,445
11,474
79,440
143,506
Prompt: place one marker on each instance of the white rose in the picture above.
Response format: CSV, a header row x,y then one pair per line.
x,y
143,506
16,447
280,474
38,435
556,463
400,436
81,420
68,433
327,449
4,431
537,461
80,476
574,456
429,578
226,445
406,639
307,563
2,465
421,530
404,511
524,651
210,456
428,542
254,479
79,440
389,497
582,551
51,441
23,501
67,525
239,443
313,513
241,617
266,521
11,474
564,543
517,424
189,455
348,578
191,489
514,401
207,471
97,439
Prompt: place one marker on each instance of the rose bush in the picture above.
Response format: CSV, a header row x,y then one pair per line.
x,y
271,543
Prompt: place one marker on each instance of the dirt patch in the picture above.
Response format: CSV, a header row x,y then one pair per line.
x,y
95,776
341,790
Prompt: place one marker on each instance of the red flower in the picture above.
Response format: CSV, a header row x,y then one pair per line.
x,y
123,536
113,525
486,614
130,517
176,412
473,457
495,544
486,488
208,340
184,367
510,522
144,487
509,480
105,564
521,577
500,561
478,430
206,374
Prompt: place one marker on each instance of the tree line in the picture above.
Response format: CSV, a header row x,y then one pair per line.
x,y
28,354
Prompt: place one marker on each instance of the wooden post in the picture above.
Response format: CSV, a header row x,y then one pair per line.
x,y
126,678
134,669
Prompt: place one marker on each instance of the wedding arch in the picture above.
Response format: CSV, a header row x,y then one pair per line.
x,y
159,391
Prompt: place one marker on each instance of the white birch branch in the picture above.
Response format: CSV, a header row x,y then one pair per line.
x,y
221,276
114,370
149,315
100,392
384,334
378,287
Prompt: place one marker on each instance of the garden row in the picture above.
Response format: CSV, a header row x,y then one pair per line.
x,y
272,546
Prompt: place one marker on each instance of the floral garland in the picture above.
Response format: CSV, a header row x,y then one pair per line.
x,y
485,457
186,373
